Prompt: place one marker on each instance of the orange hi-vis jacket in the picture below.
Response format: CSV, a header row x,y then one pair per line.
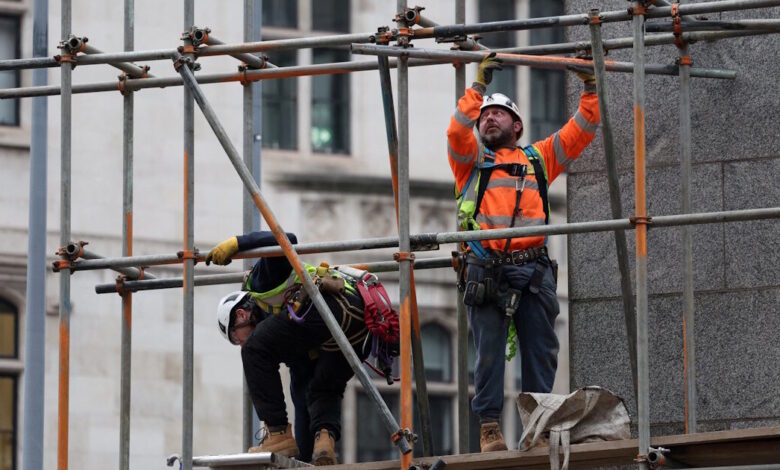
x,y
498,203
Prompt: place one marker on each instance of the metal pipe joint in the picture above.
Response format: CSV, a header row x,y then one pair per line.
x,y
410,16
70,48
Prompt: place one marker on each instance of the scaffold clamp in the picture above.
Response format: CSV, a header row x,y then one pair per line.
x,y
120,285
410,16
640,220
656,457
403,256
70,49
187,254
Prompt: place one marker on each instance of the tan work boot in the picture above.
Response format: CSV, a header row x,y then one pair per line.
x,y
278,442
324,449
490,438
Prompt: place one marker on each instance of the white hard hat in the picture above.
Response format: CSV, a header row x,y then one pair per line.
x,y
500,99
225,310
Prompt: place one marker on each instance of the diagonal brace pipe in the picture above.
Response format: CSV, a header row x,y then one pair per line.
x,y
319,302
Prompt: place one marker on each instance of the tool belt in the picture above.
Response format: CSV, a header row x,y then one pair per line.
x,y
487,286
516,257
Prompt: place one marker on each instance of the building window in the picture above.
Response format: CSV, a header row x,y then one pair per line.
x,y
281,13
9,49
7,422
442,427
548,87
437,353
330,105
280,105
9,319
372,436
9,349
330,15
500,10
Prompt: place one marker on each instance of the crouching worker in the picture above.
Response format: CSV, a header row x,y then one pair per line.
x,y
274,322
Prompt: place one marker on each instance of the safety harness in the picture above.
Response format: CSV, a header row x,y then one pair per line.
x,y
489,287
381,320
469,200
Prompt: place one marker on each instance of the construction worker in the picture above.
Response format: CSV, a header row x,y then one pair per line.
x,y
274,322
509,284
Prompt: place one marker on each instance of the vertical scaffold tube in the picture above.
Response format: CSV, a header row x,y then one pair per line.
x,y
463,324
65,202
188,292
404,245
643,367
35,324
127,250
248,207
689,350
614,187
417,353
289,252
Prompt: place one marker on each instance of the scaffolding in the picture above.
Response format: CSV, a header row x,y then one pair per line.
x,y
410,26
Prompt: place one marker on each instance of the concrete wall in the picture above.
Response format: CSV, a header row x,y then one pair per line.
x,y
736,162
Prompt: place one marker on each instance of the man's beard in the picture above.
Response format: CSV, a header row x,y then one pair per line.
x,y
503,139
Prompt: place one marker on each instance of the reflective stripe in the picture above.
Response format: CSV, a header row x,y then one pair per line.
x,y
510,183
560,155
459,157
505,220
584,124
463,120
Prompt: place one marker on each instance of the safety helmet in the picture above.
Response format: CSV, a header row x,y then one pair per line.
x,y
500,99
225,311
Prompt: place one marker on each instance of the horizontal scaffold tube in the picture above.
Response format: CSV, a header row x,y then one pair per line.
x,y
460,30
346,67
232,278
426,240
205,79
542,62
740,25
443,31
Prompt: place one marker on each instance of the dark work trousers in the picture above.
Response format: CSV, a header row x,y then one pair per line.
x,y
300,375
278,339
538,346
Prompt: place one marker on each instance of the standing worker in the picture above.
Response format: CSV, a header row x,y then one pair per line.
x,y
509,285
274,322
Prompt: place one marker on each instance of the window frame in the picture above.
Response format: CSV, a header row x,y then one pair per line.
x,y
16,102
13,366
14,416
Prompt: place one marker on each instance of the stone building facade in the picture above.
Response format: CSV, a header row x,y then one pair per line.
x,y
736,158
324,172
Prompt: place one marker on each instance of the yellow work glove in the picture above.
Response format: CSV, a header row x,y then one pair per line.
x,y
222,253
486,68
587,78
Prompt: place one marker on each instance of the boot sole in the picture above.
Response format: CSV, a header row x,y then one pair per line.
x,y
325,460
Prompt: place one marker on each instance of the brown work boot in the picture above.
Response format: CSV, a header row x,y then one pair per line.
x,y
490,438
278,442
324,449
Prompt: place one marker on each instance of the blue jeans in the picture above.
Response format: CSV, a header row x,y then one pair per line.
x,y
538,346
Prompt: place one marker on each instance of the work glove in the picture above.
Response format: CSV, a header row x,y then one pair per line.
x,y
222,253
486,68
587,77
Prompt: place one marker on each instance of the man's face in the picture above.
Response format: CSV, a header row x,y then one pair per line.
x,y
241,329
498,127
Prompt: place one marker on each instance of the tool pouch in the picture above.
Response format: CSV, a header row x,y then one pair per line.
x,y
474,293
332,285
